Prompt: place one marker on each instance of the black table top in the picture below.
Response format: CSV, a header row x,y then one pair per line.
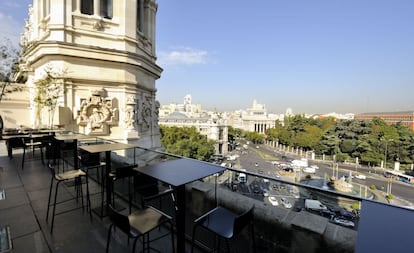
x,y
384,228
181,171
106,147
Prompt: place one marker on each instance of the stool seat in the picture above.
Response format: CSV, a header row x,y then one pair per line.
x,y
139,224
143,221
60,177
70,174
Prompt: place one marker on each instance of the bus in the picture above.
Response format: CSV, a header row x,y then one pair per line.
x,y
399,176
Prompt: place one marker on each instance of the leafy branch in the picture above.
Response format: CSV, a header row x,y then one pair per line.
x,y
9,59
48,92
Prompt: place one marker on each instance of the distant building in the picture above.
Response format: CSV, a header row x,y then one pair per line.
x,y
213,125
187,108
406,117
255,119
347,116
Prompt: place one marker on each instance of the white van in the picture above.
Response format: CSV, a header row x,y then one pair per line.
x,y
314,205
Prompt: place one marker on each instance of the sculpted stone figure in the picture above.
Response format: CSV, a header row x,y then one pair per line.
x,y
96,119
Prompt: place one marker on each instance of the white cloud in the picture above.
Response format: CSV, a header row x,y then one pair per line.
x,y
186,56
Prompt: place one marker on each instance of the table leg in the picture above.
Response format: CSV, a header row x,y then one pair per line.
x,y
9,149
75,155
108,179
180,218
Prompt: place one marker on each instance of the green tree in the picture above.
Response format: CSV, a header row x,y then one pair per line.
x,y
9,59
347,146
272,134
186,141
255,137
309,137
48,91
330,144
235,132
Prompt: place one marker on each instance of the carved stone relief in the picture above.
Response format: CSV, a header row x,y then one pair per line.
x,y
97,113
130,112
145,113
155,117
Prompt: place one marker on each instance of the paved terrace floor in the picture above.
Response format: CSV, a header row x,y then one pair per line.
x,y
24,211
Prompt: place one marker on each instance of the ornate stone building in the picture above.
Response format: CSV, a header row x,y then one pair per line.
x,y
104,53
213,125
254,119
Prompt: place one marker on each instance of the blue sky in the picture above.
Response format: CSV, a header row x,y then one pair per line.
x,y
314,56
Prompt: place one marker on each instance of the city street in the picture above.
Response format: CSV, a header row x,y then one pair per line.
x,y
259,158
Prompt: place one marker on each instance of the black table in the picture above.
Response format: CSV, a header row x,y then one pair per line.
x,y
16,141
74,138
384,228
107,148
178,173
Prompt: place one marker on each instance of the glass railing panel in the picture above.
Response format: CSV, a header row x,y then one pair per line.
x,y
306,205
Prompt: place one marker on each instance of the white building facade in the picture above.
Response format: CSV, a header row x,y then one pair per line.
x,y
254,119
104,52
210,124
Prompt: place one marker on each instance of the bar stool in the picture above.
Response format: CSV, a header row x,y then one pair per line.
x,y
124,172
139,224
75,175
33,143
224,224
87,163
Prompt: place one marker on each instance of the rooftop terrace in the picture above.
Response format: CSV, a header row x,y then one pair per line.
x,y
277,229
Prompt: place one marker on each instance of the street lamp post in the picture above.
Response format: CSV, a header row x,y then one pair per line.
x,y
385,155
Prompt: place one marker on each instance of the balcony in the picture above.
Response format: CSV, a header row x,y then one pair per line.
x,y
24,196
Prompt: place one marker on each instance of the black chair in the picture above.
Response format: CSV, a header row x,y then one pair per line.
x,y
75,175
65,153
89,162
147,189
225,224
144,190
124,172
31,144
139,224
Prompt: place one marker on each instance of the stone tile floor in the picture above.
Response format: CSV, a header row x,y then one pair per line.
x,y
24,211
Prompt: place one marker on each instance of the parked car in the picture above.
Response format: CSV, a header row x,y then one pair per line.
x,y
346,214
286,203
309,170
347,176
343,222
327,213
316,167
296,195
360,176
273,201
265,193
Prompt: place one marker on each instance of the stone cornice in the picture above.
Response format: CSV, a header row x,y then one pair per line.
x,y
42,49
